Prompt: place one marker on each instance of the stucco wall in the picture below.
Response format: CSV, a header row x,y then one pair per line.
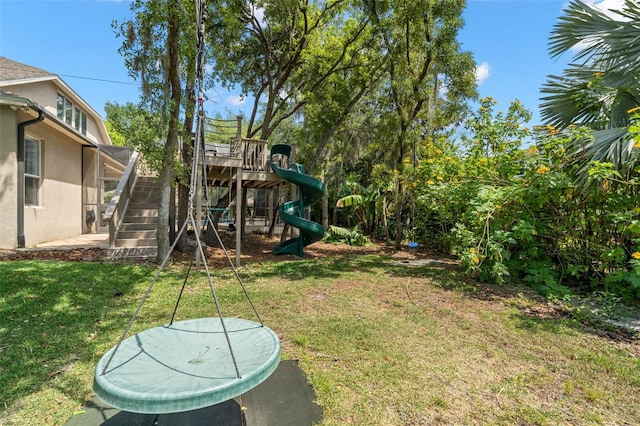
x,y
59,214
8,183
45,94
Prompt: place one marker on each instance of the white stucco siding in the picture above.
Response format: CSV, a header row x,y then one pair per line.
x,y
59,214
8,183
45,94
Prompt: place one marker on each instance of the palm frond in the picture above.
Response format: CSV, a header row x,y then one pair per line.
x,y
609,42
576,97
615,146
339,231
353,200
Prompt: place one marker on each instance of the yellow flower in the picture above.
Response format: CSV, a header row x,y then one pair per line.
x,y
632,110
440,178
598,74
429,160
533,150
552,130
430,182
476,259
542,170
472,250
636,255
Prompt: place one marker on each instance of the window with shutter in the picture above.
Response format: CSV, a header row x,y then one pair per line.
x,y
32,174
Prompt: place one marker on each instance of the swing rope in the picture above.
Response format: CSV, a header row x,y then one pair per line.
x,y
197,158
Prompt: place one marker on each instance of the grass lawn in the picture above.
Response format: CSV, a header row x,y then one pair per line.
x,y
380,343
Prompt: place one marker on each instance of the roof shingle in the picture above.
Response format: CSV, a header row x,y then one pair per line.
x,y
12,70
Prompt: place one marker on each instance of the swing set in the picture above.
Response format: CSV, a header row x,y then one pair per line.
x,y
194,363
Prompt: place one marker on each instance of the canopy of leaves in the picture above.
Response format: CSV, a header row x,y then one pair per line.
x,y
137,128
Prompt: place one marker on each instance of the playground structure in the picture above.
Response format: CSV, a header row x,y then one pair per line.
x,y
292,212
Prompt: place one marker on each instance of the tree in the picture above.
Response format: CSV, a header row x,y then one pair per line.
x,y
424,58
137,128
281,52
159,48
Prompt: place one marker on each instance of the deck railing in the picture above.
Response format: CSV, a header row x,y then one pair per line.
x,y
256,155
223,139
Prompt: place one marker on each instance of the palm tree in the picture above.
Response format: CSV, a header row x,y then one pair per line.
x,y
602,84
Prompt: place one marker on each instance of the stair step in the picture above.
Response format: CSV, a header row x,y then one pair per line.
x,y
133,253
145,197
136,234
135,205
140,223
141,213
139,226
137,242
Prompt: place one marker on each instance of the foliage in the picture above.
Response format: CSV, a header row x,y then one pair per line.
x,y
283,53
601,86
602,83
424,57
352,237
138,128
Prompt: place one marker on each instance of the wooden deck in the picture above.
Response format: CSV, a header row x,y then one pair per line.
x,y
250,157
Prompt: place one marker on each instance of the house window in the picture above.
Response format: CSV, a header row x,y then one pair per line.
x,y
80,121
32,170
71,114
83,124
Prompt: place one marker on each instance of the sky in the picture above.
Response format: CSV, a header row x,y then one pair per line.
x,y
74,39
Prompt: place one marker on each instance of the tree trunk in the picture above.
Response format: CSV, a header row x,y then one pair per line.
x,y
399,218
187,155
168,157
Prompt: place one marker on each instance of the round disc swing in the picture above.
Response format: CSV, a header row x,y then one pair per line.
x,y
195,363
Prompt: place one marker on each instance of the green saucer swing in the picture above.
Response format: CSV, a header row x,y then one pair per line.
x,y
186,365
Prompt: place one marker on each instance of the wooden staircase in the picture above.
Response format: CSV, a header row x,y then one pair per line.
x,y
136,236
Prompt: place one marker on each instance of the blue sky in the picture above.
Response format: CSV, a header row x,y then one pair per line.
x,y
74,39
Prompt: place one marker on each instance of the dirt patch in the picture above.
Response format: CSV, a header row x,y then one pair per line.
x,y
72,255
256,248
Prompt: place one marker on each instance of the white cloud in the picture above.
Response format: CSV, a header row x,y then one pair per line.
x,y
482,72
607,6
235,100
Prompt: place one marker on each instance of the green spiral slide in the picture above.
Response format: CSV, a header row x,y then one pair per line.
x,y
292,212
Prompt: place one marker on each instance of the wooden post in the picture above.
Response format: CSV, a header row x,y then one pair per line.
x,y
238,214
271,206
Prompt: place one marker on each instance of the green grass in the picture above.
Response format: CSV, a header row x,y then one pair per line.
x,y
381,344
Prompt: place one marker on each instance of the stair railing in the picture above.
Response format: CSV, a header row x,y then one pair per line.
x,y
118,204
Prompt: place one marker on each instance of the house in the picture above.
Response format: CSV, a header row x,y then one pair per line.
x,y
58,167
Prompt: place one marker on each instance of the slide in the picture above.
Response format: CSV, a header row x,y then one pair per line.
x,y
292,212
